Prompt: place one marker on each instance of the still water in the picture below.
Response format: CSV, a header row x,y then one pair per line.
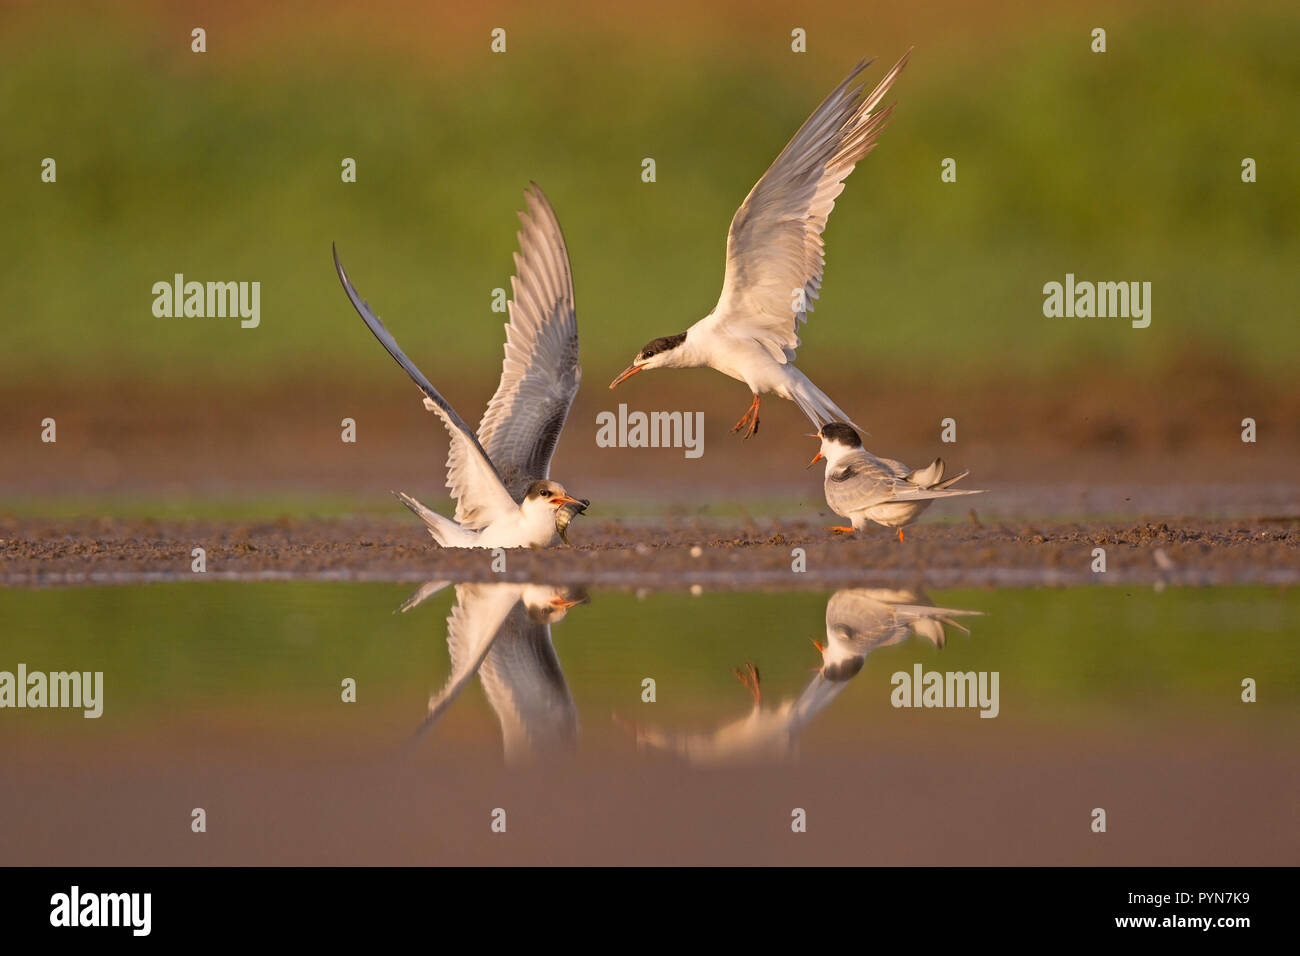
x,y
362,722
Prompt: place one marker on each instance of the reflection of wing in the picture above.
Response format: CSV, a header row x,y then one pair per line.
x,y
540,376
422,594
814,698
525,686
472,627
774,246
480,496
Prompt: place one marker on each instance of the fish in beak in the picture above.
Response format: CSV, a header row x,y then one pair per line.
x,y
567,508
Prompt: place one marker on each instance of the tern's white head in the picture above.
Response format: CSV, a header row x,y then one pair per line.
x,y
837,441
550,604
840,659
543,501
667,352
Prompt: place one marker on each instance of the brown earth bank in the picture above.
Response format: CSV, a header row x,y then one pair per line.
x,y
1090,435
735,554
1016,801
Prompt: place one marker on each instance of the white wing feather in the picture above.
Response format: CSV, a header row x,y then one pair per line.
x,y
480,495
774,246
540,374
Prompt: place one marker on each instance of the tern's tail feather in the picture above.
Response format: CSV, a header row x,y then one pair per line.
x,y
931,476
443,530
816,404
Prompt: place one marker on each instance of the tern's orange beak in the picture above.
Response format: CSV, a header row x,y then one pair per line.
x,y
627,373
565,500
816,458
564,604
821,648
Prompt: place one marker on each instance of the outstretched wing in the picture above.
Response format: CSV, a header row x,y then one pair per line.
x,y
475,622
527,690
540,375
774,248
480,495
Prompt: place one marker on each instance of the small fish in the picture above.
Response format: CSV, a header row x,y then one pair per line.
x,y
565,515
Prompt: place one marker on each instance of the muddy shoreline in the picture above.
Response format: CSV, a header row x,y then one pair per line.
x,y
717,555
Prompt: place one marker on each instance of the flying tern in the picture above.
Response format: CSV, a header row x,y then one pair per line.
x,y
863,488
775,259
500,477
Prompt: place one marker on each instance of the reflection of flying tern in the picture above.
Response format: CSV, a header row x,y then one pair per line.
x,y
775,259
858,620
502,632
500,477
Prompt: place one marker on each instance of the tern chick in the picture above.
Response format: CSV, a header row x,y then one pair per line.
x,y
863,488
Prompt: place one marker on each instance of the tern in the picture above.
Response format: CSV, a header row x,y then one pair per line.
x,y
775,259
858,621
863,488
502,632
500,477
861,620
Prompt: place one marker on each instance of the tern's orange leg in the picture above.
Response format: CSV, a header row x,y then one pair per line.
x,y
900,534
749,677
841,529
750,419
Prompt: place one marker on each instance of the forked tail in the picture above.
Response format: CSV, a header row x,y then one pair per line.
x,y
816,404
443,530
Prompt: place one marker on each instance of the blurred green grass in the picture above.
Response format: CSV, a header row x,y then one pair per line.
x,y
1123,166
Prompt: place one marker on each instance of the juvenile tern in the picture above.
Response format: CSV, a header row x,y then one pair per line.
x,y
775,259
861,620
863,488
500,477
858,621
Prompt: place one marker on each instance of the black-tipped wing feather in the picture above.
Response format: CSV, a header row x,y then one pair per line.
x,y
481,496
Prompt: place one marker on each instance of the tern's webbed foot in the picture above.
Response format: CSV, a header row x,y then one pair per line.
x,y
749,677
749,421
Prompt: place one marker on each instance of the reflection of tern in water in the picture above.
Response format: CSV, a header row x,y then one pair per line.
x,y
858,620
502,632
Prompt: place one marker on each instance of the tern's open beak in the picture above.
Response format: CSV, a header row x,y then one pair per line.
x,y
565,603
627,373
567,500
816,458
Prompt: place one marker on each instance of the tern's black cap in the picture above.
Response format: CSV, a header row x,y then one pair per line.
x,y
844,434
